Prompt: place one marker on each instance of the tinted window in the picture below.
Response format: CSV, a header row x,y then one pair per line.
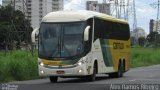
x,y
111,30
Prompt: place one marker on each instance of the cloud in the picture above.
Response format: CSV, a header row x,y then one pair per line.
x,y
144,13
145,10
74,5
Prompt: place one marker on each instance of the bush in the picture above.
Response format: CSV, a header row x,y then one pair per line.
x,y
145,56
18,65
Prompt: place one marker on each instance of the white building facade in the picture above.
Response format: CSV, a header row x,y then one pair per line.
x,y
34,10
98,7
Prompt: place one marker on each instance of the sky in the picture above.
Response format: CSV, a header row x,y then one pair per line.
x,y
144,11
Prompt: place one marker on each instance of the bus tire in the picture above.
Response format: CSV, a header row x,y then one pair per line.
x,y
119,73
124,66
120,70
53,79
93,76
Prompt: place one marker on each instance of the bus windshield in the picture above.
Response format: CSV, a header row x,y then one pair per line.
x,y
61,40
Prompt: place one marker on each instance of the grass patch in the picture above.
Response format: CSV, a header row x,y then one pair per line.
x,y
18,65
145,56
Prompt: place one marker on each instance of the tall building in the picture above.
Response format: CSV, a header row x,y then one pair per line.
x,y
92,5
34,10
98,7
151,24
105,8
154,26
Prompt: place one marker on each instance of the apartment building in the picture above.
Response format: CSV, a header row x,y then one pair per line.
x,y
98,7
154,26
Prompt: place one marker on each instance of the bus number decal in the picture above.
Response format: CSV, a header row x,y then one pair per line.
x,y
118,45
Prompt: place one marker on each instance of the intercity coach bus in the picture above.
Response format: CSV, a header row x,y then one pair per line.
x,y
82,44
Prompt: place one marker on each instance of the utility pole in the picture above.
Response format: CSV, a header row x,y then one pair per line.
x,y
157,21
120,8
158,6
135,17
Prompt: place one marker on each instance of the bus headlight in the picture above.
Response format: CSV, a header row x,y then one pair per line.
x,y
41,64
79,63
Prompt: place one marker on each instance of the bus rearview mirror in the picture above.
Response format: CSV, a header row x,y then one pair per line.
x,y
86,33
33,35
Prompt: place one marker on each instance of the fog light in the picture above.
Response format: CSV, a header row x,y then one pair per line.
x,y
42,72
80,70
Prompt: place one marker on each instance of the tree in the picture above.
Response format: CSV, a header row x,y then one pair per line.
x,y
141,41
14,27
151,37
154,39
132,41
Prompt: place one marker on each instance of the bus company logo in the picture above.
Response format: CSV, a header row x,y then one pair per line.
x,y
9,87
118,45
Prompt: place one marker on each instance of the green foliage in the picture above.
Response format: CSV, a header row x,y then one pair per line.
x,y
18,65
151,37
141,41
13,27
154,39
145,56
132,41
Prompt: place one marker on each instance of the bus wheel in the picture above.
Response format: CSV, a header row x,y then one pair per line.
x,y
119,73
53,79
93,76
120,70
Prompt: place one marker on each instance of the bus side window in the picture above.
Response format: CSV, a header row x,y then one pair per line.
x,y
108,30
97,29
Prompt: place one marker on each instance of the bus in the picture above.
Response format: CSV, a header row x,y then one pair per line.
x,y
82,44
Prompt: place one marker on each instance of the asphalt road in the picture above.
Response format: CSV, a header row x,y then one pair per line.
x,y
142,75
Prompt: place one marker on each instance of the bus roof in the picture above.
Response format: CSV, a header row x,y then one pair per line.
x,y
81,15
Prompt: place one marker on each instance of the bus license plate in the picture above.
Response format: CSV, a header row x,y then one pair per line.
x,y
60,72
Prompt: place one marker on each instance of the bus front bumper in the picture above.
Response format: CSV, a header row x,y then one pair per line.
x,y
79,70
